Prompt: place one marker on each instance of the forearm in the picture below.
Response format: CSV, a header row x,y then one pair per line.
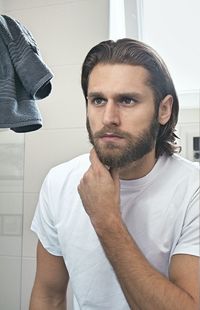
x,y
141,283
42,301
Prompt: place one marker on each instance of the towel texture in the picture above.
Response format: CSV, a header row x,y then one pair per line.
x,y
24,77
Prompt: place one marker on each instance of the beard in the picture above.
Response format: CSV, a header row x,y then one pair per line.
x,y
115,156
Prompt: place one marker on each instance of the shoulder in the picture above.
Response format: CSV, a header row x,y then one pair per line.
x,y
186,168
188,164
182,167
180,174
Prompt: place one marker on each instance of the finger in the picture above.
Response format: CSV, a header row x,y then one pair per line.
x,y
93,156
94,159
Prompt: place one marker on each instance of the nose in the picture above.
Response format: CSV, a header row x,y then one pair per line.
x,y
111,115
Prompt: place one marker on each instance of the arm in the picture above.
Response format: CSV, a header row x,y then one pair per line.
x,y
143,286
49,290
141,283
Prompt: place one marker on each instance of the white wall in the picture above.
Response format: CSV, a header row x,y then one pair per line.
x,y
172,27
1,7
64,31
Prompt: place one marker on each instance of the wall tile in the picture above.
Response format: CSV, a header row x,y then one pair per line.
x,y
29,238
13,186
69,297
64,33
11,161
12,225
9,136
10,246
1,225
11,203
47,148
11,5
1,7
28,275
10,284
65,106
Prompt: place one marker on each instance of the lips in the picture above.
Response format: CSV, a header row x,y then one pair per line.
x,y
110,137
107,135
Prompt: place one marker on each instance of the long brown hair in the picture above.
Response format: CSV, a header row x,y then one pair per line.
x,y
133,52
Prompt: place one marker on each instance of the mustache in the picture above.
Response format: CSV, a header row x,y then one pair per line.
x,y
116,132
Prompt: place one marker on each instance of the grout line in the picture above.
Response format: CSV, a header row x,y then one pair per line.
x,y
18,257
10,256
29,257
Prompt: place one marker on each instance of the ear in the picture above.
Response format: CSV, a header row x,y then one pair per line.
x,y
165,109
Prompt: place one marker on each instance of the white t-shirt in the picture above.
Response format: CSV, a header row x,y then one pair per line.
x,y
161,211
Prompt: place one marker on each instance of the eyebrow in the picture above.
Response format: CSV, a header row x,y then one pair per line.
x,y
136,95
94,95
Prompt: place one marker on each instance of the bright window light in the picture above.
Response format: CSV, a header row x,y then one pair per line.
x,y
172,28
117,29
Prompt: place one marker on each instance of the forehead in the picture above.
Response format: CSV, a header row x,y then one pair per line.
x,y
121,76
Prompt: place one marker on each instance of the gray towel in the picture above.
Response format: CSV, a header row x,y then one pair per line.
x,y
24,77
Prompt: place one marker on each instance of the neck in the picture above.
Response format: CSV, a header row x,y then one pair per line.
x,y
139,168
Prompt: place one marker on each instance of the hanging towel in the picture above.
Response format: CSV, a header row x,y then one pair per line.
x,y
24,77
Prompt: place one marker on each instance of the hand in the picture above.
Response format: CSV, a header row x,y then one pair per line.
x,y
100,193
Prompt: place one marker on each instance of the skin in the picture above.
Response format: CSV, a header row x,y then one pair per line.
x,y
99,191
51,280
106,84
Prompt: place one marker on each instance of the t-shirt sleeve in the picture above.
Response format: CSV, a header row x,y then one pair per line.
x,y
43,223
189,241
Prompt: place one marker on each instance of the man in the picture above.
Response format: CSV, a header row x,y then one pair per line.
x,y
122,223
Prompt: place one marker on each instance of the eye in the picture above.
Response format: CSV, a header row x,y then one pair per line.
x,y
127,101
98,101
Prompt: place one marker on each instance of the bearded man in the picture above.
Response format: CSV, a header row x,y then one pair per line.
x,y
122,223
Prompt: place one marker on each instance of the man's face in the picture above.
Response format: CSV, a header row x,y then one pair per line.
x,y
121,119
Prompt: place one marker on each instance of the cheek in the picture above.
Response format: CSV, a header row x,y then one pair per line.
x,y
137,118
137,121
94,120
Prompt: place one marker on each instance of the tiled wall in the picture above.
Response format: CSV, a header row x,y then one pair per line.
x,y
11,217
64,31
